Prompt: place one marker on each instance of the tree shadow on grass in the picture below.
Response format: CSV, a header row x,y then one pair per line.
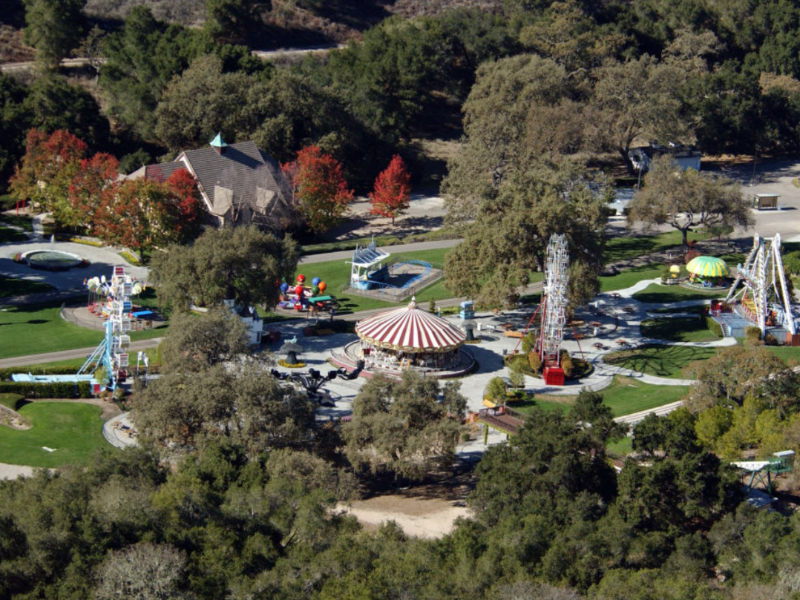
x,y
659,359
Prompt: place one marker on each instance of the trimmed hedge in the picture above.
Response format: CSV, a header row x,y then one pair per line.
x,y
5,374
61,389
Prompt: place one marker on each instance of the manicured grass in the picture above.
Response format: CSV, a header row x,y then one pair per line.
x,y
626,396
11,235
630,277
662,360
677,329
785,353
695,310
336,274
623,248
526,407
38,328
620,448
74,430
655,292
444,233
13,286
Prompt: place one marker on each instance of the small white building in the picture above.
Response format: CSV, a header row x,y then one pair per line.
x,y
249,316
686,157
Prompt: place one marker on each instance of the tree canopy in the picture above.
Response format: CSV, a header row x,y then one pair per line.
x,y
242,264
688,199
403,427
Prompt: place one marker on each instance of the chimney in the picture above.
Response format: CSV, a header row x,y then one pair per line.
x,y
219,144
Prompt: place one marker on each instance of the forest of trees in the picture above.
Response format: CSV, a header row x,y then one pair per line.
x,y
232,493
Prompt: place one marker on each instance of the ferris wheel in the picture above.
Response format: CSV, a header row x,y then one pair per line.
x,y
554,306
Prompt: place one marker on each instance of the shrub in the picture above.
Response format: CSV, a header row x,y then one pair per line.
x,y
432,306
535,362
496,390
567,364
529,342
714,327
771,340
59,389
753,334
516,376
791,263
130,258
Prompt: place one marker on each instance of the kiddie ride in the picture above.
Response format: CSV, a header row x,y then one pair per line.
x,y
299,297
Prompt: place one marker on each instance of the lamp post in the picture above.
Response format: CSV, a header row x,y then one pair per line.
x,y
755,159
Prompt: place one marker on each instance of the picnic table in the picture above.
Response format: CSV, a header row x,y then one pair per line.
x,y
622,342
615,295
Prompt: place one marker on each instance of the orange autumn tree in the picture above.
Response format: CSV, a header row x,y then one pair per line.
x,y
43,176
319,188
392,190
93,175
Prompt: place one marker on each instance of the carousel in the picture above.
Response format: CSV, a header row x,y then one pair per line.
x,y
409,337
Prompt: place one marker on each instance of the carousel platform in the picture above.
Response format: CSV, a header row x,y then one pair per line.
x,y
348,357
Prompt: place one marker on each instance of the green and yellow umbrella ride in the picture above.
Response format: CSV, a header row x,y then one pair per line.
x,y
708,266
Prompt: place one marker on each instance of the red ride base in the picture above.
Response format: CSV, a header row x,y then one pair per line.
x,y
554,375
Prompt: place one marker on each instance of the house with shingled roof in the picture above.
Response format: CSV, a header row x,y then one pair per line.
x,y
239,183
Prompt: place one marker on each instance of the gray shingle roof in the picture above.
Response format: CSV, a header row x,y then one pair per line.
x,y
260,190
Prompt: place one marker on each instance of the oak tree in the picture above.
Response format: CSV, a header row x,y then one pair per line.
x,y
402,427
243,264
688,199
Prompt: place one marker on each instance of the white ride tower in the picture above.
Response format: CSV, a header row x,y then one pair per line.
x,y
764,297
554,304
112,352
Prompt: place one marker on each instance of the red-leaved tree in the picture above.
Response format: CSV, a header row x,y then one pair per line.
x,y
186,208
86,187
45,172
392,190
319,188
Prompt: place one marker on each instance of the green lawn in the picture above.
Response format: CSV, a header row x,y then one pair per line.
x,y
626,396
526,407
12,286
74,430
662,360
630,277
695,310
623,248
336,274
785,353
38,328
657,293
620,448
677,329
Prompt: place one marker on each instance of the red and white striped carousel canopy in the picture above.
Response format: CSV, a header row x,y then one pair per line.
x,y
410,329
